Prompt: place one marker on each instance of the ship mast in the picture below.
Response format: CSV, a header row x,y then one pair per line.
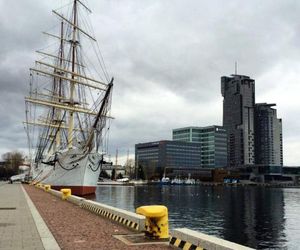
x,y
100,114
57,91
61,58
63,102
72,83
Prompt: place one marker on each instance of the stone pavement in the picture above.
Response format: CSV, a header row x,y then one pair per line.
x,y
76,228
18,228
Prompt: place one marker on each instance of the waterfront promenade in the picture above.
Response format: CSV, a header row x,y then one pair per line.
x,y
20,225
71,226
34,218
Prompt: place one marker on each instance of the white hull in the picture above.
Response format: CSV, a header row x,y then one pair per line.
x,y
73,169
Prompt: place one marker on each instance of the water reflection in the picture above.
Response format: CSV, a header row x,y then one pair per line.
x,y
255,217
292,217
251,216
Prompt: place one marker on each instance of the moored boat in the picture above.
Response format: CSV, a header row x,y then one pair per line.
x,y
67,108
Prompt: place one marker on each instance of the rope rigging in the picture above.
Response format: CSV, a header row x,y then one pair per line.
x,y
70,69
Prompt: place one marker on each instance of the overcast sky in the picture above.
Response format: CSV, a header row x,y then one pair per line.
x,y
167,58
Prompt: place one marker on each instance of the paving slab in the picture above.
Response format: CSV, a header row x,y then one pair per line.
x,y
46,236
17,226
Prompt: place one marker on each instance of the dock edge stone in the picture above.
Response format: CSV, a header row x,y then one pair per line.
x,y
204,241
129,219
75,200
55,193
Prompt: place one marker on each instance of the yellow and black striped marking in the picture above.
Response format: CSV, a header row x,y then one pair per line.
x,y
111,216
183,244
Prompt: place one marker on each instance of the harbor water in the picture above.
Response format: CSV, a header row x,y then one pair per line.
x,y
258,217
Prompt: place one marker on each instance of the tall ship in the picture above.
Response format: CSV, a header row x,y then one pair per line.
x,y
68,106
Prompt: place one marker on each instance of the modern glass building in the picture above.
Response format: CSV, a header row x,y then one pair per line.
x,y
213,143
156,157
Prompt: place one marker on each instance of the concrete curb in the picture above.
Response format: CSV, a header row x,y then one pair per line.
x,y
129,219
76,200
185,238
47,238
55,193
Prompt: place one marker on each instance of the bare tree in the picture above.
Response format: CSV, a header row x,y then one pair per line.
x,y
12,161
129,167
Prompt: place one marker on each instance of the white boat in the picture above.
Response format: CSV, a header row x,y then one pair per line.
x,y
68,107
138,182
177,181
123,180
189,181
165,181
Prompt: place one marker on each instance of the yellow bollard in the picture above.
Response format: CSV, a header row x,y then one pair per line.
x,y
157,224
47,188
65,193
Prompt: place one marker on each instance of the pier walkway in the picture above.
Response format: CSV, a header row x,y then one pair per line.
x,y
31,219
21,227
77,228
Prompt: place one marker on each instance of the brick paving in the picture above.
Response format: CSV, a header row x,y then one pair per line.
x,y
76,228
17,227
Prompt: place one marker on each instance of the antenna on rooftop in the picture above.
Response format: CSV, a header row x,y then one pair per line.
x,y
235,67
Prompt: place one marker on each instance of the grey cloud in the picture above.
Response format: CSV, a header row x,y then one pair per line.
x,y
173,49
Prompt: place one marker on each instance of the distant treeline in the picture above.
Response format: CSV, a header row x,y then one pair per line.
x,y
10,164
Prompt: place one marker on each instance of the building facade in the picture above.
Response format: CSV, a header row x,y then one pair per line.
x,y
156,158
213,141
238,118
268,136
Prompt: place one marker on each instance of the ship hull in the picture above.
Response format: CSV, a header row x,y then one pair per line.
x,y
78,190
74,170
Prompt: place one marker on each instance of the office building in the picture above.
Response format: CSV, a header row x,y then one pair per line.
x,y
268,136
238,118
156,158
213,141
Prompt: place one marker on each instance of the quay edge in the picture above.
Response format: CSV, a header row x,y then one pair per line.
x,y
180,238
185,238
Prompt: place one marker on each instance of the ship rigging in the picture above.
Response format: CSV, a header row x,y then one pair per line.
x,y
68,109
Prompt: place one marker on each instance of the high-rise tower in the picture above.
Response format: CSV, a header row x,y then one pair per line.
x,y
238,118
268,135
